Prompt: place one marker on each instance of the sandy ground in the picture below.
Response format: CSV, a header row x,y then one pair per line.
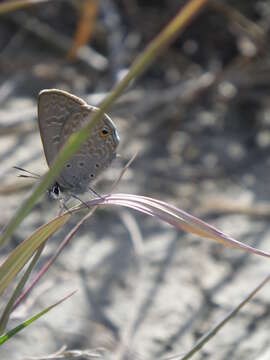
x,y
202,145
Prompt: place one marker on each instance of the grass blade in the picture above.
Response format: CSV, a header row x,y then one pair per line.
x,y
175,217
26,323
9,307
205,338
23,252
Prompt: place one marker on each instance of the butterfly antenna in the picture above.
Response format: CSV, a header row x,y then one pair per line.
x,y
28,177
32,174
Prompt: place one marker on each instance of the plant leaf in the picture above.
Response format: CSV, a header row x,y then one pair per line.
x,y
9,307
26,323
180,219
22,253
174,216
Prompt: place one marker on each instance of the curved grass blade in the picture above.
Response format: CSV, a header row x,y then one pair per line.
x,y
52,259
23,252
173,216
179,219
26,323
164,39
9,307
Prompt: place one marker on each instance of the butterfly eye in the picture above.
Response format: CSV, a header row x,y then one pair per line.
x,y
104,132
56,190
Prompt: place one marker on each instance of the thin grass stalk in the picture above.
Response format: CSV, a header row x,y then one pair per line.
x,y
205,338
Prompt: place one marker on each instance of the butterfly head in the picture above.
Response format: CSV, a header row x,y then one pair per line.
x,y
55,191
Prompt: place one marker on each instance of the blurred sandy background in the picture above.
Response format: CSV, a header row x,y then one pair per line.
x,y
200,119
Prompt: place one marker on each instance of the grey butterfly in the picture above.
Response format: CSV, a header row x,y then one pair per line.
x,y
60,114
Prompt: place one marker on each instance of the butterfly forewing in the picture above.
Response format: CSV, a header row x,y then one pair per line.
x,y
54,109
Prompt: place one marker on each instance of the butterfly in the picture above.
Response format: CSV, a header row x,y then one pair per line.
x,y
60,114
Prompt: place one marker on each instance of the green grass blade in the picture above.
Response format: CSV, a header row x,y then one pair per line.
x,y
182,19
26,323
23,252
8,308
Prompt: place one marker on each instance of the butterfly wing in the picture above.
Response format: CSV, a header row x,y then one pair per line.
x,y
55,107
94,155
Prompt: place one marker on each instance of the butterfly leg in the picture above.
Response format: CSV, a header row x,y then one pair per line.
x,y
95,193
62,205
84,203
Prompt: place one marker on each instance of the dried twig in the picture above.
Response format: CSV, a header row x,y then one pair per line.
x,y
86,54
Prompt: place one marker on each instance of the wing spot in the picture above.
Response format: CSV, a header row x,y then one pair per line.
x,y
105,132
